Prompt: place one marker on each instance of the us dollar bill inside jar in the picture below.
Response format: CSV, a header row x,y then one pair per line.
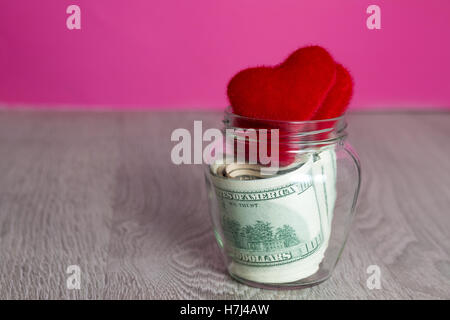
x,y
276,229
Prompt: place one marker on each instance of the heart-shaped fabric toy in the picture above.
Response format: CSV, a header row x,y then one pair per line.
x,y
338,98
308,85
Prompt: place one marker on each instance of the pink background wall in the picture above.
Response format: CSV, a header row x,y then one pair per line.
x,y
180,54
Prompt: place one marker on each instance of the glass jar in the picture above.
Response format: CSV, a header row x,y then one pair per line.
x,y
285,227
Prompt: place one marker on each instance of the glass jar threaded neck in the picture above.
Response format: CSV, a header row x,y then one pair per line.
x,y
304,134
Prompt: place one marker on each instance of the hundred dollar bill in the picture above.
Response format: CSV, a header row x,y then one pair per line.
x,y
276,229
325,174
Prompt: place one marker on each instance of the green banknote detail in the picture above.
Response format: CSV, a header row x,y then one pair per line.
x,y
277,229
261,244
263,228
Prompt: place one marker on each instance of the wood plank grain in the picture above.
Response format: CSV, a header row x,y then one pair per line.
x,y
57,173
99,190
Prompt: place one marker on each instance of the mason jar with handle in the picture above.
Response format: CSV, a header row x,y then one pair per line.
x,y
284,228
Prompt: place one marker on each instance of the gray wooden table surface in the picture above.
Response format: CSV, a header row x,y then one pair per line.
x,y
98,190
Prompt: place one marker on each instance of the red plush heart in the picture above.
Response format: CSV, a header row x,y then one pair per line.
x,y
308,85
292,91
338,98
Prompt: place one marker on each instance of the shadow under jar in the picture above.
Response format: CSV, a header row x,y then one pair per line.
x,y
283,228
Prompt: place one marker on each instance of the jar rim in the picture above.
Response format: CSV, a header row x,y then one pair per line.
x,y
229,113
